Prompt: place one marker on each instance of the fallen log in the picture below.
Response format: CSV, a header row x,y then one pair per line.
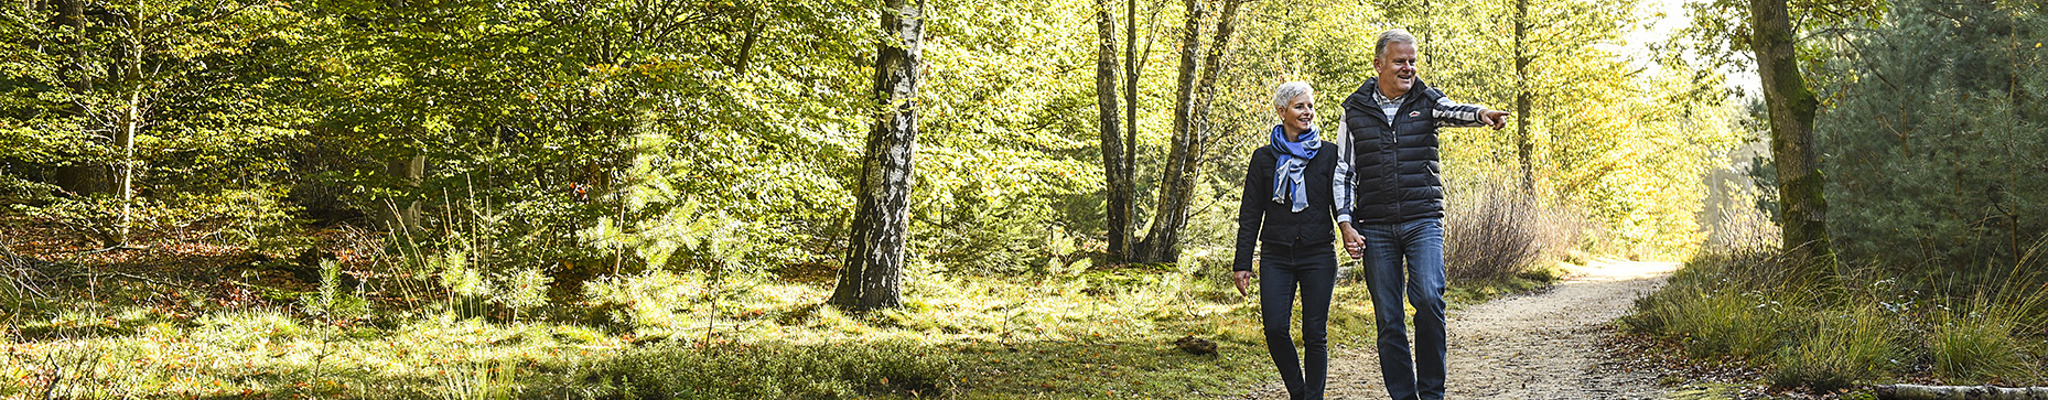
x,y
1986,392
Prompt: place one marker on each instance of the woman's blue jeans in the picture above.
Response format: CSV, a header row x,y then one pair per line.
x,y
1311,268
1408,258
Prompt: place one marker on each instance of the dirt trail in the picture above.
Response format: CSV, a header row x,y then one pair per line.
x,y
1541,346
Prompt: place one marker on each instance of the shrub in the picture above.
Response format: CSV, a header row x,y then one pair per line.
x,y
651,299
1492,233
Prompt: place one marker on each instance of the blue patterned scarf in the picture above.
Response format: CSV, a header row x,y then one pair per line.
x,y
1292,159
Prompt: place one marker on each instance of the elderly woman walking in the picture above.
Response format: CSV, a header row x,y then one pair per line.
x,y
1288,211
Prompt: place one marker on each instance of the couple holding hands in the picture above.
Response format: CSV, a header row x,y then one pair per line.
x,y
1376,180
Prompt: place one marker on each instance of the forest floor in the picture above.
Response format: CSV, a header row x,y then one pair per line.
x,y
1547,345
190,320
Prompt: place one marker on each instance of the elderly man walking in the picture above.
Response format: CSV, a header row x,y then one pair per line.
x,y
1396,224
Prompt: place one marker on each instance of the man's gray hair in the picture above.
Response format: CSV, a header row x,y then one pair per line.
x,y
1392,36
1288,91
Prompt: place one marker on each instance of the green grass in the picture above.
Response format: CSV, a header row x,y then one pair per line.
x,y
1839,349
1104,334
1863,328
1976,341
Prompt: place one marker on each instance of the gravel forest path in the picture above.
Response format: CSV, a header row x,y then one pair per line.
x,y
1526,347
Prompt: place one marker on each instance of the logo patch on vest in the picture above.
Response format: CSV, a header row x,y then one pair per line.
x,y
1413,114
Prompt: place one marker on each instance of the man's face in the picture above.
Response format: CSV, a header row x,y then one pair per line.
x,y
1396,66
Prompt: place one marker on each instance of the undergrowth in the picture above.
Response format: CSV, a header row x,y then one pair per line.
x,y
1856,327
1107,333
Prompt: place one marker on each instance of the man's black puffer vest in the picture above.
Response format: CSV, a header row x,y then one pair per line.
x,y
1395,162
1260,220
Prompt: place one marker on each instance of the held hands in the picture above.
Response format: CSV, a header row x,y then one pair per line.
x,y
1244,282
1493,118
1354,243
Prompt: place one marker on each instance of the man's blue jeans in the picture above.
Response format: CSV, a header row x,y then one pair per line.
x,y
1420,243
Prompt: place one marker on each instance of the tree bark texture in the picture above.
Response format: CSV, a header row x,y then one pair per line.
x,y
1212,66
1115,168
1177,181
1986,392
408,171
1792,107
1525,146
1134,64
131,124
874,263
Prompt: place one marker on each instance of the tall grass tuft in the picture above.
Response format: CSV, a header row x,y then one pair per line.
x,y
1837,349
1494,232
480,381
1830,332
1737,303
1976,341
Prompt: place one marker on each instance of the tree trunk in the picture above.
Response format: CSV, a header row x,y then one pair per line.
x,y
1116,177
1206,90
409,170
78,178
1792,106
1986,392
755,24
1177,181
85,179
1525,146
131,124
1134,65
874,263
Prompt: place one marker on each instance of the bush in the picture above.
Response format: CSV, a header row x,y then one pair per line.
x,y
653,299
1492,233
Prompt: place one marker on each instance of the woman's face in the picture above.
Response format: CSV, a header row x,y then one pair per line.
x,y
1300,113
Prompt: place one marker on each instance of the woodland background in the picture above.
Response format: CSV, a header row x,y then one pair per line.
x,y
651,198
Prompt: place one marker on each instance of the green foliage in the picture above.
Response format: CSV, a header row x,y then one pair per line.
x,y
184,96
1936,146
331,301
667,228
773,371
523,290
653,298
1720,33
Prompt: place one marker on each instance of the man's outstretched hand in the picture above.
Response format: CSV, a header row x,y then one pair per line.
x,y
1494,118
